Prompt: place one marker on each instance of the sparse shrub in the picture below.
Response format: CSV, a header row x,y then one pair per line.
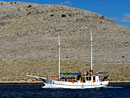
x,y
63,15
2,23
102,17
51,15
28,13
29,6
1,3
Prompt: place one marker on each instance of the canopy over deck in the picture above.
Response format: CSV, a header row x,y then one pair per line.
x,y
71,73
103,73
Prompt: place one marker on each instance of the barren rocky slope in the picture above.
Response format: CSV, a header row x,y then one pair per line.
x,y
28,41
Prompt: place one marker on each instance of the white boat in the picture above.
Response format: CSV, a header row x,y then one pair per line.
x,y
79,81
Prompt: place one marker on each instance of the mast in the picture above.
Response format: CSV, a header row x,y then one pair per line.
x,y
91,52
59,52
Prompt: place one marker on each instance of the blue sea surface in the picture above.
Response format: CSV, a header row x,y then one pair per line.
x,y
36,91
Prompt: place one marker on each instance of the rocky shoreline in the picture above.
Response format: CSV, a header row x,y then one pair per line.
x,y
40,82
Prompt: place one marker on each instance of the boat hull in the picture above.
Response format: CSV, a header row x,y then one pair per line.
x,y
70,85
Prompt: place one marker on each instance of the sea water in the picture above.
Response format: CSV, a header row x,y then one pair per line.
x,y
36,91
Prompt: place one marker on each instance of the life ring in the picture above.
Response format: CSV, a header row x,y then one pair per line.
x,y
82,86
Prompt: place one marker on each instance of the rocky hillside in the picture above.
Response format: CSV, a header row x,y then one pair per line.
x,y
28,41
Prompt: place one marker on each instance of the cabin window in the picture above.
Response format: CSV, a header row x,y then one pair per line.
x,y
88,78
94,78
78,77
83,79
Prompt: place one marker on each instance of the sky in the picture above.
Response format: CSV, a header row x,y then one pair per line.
x,y
118,10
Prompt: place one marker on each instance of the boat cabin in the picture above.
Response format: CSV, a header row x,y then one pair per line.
x,y
75,77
